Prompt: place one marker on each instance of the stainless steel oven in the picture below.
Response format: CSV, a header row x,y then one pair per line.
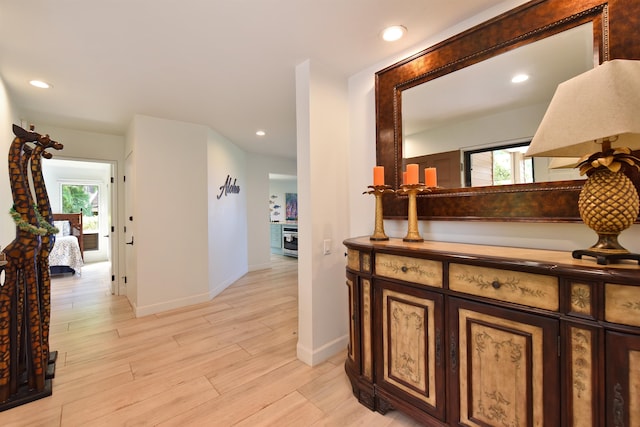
x,y
290,240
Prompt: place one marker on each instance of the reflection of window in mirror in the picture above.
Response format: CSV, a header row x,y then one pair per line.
x,y
500,165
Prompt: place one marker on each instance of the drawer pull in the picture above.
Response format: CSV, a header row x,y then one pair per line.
x,y
404,269
496,284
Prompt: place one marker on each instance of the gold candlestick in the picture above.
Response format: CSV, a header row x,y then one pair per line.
x,y
378,191
412,190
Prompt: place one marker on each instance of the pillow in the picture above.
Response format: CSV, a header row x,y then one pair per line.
x,y
64,228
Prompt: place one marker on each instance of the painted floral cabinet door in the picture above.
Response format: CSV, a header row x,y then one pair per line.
x,y
359,363
410,348
500,367
622,379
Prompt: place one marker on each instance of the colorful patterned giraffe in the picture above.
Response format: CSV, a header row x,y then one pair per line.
x,y
30,323
21,273
48,240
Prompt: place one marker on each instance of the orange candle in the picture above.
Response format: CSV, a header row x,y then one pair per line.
x,y
412,173
404,177
378,175
430,177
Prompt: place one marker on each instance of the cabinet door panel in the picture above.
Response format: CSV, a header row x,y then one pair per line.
x,y
504,366
367,344
359,363
411,346
623,379
354,337
582,342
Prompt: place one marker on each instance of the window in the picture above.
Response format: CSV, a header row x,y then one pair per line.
x,y
85,198
501,165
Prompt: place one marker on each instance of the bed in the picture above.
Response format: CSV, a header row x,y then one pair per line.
x,y
67,255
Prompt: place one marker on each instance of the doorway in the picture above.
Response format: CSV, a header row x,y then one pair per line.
x,y
283,214
72,183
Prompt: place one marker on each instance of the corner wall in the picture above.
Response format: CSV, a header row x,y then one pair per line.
x,y
170,219
190,245
323,141
227,213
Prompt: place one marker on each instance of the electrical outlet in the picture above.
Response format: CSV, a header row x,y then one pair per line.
x,y
326,249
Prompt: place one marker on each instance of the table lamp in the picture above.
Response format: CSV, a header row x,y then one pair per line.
x,y
588,114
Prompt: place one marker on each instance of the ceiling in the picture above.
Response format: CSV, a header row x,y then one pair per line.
x,y
229,65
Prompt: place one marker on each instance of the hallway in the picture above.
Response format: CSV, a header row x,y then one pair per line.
x,y
230,361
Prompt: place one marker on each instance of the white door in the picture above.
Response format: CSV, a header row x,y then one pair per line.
x,y
109,235
129,277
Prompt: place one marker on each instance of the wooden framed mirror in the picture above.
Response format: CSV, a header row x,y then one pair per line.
x,y
614,24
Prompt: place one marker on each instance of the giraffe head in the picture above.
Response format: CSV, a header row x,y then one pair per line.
x,y
30,136
46,142
28,150
25,135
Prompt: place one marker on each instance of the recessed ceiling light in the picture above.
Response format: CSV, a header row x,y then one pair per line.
x,y
261,133
519,78
393,33
40,84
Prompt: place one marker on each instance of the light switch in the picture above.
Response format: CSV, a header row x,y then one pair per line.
x,y
327,247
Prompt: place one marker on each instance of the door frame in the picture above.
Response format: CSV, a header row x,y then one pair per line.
x,y
113,213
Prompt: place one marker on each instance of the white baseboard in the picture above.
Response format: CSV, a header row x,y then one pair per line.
x,y
314,357
216,290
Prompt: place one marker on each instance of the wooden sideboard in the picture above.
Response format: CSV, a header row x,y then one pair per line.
x,y
474,335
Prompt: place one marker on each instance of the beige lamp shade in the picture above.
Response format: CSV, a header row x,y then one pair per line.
x,y
602,103
563,162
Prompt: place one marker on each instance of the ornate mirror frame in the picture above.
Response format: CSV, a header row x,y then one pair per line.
x,y
615,26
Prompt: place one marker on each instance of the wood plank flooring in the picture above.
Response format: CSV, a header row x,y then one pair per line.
x,y
228,362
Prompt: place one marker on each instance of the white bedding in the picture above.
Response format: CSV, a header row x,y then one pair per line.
x,y
66,251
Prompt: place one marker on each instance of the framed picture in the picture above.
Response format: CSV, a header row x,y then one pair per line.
x,y
291,203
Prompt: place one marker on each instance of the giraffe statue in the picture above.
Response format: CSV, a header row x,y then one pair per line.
x,y
48,240
21,276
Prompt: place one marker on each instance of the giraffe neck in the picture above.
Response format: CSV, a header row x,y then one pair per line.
x,y
42,197
22,200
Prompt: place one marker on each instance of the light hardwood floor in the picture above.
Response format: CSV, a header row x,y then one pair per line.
x,y
228,362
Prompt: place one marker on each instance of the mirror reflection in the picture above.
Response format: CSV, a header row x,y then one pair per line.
x,y
479,128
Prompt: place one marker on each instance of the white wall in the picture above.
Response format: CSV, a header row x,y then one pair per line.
x,y
362,159
8,117
83,145
508,126
258,169
171,221
130,288
323,140
227,218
